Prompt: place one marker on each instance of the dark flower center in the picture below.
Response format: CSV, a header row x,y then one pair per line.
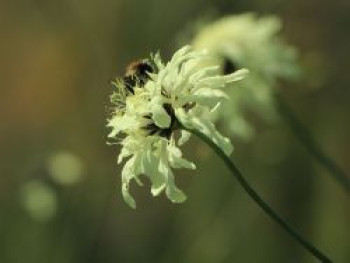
x,y
228,66
153,129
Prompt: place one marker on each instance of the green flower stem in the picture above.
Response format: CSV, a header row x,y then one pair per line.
x,y
309,143
258,200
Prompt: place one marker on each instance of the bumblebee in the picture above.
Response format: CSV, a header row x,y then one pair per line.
x,y
137,73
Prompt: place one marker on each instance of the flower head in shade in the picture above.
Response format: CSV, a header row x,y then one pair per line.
x,y
246,41
152,103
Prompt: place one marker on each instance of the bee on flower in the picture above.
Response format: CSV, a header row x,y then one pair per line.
x,y
159,101
247,41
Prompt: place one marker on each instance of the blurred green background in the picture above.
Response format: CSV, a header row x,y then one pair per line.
x,y
59,185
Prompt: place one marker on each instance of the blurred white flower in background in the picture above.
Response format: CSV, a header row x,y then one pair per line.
x,y
150,104
252,42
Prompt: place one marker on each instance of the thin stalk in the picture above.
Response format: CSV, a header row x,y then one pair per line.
x,y
306,139
258,200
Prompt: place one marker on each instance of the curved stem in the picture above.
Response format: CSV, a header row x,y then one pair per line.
x,y
258,200
306,139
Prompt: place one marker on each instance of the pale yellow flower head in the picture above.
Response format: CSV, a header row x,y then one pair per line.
x,y
252,42
149,108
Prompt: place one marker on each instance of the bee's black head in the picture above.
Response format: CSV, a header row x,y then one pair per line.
x,y
144,68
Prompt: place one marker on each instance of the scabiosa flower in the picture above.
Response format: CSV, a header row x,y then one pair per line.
x,y
150,106
248,41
